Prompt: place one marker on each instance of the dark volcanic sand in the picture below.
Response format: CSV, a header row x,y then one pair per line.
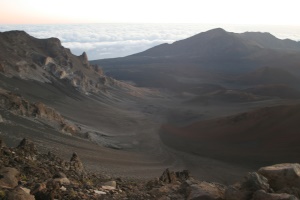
x,y
129,123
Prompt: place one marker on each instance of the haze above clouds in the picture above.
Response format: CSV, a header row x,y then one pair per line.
x,y
116,40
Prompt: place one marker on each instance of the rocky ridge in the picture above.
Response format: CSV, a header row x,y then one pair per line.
x,y
47,61
26,174
17,105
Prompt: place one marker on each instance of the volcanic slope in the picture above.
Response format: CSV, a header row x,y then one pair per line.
x,y
106,128
266,135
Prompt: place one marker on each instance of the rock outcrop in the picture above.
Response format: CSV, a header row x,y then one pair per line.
x,y
19,106
282,175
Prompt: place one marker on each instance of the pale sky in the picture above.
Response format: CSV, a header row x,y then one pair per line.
x,y
280,12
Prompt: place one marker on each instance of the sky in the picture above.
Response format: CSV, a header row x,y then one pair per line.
x,y
115,28
271,12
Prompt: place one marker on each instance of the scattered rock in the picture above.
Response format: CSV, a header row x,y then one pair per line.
x,y
69,129
62,188
59,179
99,192
110,185
62,181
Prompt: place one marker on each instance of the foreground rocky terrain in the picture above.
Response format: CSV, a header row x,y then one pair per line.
x,y
26,174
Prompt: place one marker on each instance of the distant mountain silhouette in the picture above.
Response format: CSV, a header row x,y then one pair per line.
x,y
210,57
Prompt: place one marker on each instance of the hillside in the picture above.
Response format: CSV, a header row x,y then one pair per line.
x,y
267,135
64,103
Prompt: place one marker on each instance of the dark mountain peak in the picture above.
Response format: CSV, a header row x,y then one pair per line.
x,y
207,36
215,43
216,31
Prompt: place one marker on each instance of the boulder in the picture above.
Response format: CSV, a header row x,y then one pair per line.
x,y
281,176
254,181
8,177
19,194
172,177
205,191
262,195
244,190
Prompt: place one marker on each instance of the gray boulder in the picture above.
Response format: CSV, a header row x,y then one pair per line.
x,y
245,189
281,176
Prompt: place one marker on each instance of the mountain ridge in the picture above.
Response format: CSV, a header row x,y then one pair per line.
x,y
211,56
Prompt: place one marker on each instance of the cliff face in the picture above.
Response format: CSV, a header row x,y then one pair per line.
x,y
46,60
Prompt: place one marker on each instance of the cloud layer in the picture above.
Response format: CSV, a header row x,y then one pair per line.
x,y
116,40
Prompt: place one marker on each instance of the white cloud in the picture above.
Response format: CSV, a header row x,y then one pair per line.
x,y
115,40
